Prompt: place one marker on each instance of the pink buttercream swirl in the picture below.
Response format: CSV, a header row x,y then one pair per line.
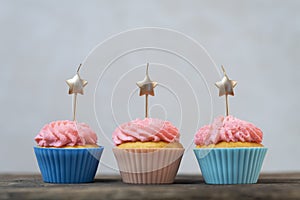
x,y
146,130
228,129
65,133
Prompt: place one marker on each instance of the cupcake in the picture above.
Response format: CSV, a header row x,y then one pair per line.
x,y
229,151
67,152
147,151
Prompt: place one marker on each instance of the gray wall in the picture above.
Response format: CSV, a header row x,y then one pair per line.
x,y
42,42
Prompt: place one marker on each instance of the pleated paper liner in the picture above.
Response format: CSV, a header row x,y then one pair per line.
x,y
148,166
230,165
68,165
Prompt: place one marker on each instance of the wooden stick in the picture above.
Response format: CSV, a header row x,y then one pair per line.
x,y
74,107
227,106
146,106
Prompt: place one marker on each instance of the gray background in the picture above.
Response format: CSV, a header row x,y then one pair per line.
x,y
42,42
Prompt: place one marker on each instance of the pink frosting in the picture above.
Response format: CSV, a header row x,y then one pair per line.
x,y
228,129
65,133
146,130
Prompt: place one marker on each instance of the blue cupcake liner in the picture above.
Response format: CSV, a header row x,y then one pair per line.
x,y
230,165
68,165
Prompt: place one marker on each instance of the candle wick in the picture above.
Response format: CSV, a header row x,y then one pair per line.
x,y
147,69
223,69
79,67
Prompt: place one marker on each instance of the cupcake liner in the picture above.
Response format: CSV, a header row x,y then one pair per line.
x,y
230,165
68,165
148,166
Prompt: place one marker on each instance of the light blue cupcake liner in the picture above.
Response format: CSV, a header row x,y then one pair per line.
x,y
68,165
230,165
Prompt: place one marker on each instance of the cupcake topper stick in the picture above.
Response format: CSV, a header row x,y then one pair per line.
x,y
146,87
226,88
76,85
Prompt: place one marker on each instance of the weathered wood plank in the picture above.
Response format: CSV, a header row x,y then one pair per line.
x,y
269,186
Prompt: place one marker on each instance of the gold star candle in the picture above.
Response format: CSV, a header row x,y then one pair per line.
x,y
146,88
76,85
226,88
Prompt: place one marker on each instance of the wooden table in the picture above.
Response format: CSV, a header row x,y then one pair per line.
x,y
269,186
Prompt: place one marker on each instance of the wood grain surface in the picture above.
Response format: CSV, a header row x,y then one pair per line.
x,y
269,186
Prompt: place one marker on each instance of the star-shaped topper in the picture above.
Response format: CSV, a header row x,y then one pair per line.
x,y
226,88
76,84
146,86
226,85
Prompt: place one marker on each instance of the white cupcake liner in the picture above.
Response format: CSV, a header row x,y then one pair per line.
x,y
148,166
